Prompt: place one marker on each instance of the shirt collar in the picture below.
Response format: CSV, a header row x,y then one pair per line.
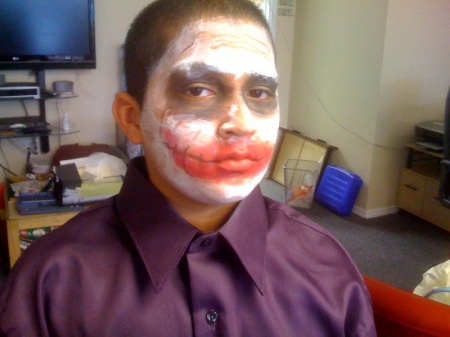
x,y
162,236
246,232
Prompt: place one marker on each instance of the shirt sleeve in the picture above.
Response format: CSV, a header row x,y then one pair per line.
x,y
359,318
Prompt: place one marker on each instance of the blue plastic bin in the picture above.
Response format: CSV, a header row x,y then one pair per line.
x,y
338,189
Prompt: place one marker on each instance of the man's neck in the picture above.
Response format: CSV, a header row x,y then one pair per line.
x,y
207,218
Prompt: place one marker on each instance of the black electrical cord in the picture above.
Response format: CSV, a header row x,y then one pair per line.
x,y
7,170
24,107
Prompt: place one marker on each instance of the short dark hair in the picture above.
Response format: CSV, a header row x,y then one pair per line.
x,y
158,24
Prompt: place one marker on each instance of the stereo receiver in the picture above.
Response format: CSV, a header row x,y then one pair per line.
x,y
19,91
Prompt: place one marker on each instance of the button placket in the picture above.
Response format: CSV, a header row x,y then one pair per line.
x,y
205,293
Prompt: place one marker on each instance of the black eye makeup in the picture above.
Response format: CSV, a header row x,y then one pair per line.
x,y
260,93
204,91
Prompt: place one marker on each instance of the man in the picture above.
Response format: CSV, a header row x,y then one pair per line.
x,y
190,247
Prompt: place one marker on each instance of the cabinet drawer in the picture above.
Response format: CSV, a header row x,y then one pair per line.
x,y
411,192
433,210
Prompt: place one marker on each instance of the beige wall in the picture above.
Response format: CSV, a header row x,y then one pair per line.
x,y
364,73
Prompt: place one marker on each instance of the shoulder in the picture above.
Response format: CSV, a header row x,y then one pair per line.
x,y
286,220
72,263
97,221
298,239
315,268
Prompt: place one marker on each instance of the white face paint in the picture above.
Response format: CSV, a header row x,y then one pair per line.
x,y
210,114
242,45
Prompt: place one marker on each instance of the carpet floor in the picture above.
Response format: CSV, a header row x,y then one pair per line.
x,y
396,248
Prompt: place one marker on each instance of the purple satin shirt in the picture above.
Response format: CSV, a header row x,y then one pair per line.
x,y
131,266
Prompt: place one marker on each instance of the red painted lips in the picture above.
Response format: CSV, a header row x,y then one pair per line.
x,y
218,160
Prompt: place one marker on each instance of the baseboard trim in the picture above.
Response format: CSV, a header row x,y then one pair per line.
x,y
374,213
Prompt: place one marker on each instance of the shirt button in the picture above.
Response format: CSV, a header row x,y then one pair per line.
x,y
211,318
205,243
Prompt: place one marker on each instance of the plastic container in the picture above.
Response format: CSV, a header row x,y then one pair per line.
x,y
338,190
300,179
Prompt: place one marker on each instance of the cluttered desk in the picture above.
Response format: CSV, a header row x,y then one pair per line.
x,y
38,205
20,228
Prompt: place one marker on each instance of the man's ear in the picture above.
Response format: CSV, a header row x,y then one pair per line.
x,y
127,112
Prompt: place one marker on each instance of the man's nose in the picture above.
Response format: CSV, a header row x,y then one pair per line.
x,y
238,122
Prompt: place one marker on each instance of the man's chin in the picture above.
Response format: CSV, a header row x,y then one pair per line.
x,y
219,194
217,200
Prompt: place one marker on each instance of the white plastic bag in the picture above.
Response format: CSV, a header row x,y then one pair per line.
x,y
436,283
98,166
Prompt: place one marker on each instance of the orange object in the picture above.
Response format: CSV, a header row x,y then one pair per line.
x,y
400,313
298,192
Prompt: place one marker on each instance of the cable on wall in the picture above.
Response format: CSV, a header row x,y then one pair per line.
x,y
24,107
334,119
5,168
280,33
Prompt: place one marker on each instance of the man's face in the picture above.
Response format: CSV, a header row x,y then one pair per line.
x,y
210,114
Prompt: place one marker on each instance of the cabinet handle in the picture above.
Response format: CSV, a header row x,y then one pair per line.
x,y
411,187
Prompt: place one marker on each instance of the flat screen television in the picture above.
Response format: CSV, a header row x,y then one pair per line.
x,y
47,34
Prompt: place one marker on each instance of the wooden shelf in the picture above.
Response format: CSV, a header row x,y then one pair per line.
x,y
421,149
419,186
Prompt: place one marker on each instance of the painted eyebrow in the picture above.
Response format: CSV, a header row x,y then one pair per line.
x,y
199,70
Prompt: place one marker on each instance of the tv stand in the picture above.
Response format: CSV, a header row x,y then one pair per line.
x,y
40,79
30,126
419,186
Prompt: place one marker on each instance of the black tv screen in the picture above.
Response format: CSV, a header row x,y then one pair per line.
x,y
47,34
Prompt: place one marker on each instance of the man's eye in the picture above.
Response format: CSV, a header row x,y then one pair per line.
x,y
198,91
261,94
